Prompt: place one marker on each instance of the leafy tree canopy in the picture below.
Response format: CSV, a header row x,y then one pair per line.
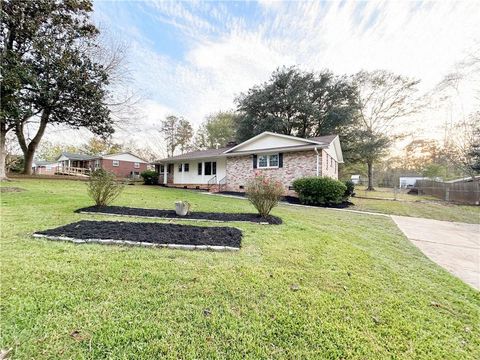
x,y
298,103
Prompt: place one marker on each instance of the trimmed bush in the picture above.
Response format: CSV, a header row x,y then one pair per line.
x,y
264,193
103,187
350,189
319,190
150,177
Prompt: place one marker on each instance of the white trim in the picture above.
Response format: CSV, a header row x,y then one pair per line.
x,y
117,162
307,141
268,161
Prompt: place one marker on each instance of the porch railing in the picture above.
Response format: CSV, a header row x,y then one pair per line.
x,y
74,171
212,181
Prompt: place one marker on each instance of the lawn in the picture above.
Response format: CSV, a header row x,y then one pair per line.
x,y
438,210
324,284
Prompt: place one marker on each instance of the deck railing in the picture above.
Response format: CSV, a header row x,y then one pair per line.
x,y
73,171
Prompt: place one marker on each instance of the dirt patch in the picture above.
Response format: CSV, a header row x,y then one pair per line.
x,y
7,189
170,214
294,200
154,233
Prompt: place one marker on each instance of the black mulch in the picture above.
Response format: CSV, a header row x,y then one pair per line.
x,y
295,200
149,232
170,214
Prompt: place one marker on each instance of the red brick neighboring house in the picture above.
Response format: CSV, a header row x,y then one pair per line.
x,y
123,165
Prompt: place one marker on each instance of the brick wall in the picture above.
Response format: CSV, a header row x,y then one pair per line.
x,y
124,169
329,166
295,165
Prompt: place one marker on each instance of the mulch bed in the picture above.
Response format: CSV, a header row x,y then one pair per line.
x,y
147,234
170,214
294,200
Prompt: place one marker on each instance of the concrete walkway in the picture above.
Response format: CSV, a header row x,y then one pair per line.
x,y
454,246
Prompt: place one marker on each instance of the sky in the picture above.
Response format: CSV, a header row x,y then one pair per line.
x,y
194,58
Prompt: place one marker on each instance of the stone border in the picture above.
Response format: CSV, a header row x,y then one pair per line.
x,y
134,243
169,218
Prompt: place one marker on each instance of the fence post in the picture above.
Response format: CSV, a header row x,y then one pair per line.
x,y
447,193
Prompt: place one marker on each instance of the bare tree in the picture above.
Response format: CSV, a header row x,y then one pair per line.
x,y
462,144
383,98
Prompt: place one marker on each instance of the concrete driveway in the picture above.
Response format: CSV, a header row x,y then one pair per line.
x,y
454,246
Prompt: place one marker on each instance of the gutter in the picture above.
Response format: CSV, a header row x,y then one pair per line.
x,y
318,158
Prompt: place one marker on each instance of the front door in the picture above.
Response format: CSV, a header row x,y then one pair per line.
x,y
170,173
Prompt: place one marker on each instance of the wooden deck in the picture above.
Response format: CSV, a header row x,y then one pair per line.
x,y
73,171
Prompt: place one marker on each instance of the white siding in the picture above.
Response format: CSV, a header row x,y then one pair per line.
x,y
192,177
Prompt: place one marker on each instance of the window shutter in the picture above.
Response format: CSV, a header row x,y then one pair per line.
x,y
280,160
254,161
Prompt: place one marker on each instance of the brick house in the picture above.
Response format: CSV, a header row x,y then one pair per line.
x,y
281,157
123,165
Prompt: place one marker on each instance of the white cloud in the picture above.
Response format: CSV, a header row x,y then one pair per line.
x,y
227,53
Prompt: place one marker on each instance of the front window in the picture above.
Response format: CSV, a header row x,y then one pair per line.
x,y
116,163
179,167
211,168
267,161
186,167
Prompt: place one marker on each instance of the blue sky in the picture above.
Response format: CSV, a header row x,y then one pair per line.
x,y
193,58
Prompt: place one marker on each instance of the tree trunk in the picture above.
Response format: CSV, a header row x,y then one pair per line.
x,y
370,176
3,153
29,149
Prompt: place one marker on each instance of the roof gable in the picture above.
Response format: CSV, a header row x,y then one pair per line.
x,y
124,157
268,140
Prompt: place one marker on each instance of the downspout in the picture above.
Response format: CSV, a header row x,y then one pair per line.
x,y
318,158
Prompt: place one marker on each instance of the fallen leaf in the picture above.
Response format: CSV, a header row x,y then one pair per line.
x,y
207,312
294,287
4,353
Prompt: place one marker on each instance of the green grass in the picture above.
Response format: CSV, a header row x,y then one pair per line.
x,y
390,193
365,292
431,210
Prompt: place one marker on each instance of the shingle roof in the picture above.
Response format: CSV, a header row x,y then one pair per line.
x,y
43,162
325,138
198,154
73,156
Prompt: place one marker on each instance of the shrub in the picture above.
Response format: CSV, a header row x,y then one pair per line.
x,y
103,187
350,189
319,190
263,193
150,177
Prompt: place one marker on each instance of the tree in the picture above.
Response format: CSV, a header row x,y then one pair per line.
x,y
184,135
217,130
382,99
99,146
177,133
433,171
297,103
50,151
52,76
463,143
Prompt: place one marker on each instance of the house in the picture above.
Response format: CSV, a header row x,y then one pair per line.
x,y
41,167
282,157
409,181
123,165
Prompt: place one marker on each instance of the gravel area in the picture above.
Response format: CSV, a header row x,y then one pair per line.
x,y
170,214
154,233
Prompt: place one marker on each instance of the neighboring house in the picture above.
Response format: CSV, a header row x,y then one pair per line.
x,y
282,157
41,167
123,165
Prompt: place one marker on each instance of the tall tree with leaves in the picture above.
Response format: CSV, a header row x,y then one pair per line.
x,y
47,49
184,135
177,133
217,130
382,99
297,103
